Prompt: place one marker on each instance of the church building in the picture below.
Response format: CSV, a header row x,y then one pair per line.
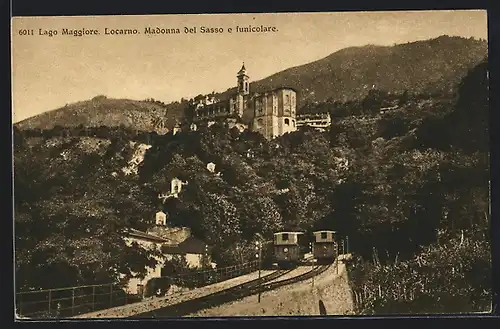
x,y
273,111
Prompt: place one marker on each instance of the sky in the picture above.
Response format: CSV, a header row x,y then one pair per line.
x,y
49,72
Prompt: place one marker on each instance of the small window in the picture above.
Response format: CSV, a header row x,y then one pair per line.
x,y
284,237
293,123
287,122
324,235
176,189
140,289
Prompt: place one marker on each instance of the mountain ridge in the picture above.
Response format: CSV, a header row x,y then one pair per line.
x,y
423,66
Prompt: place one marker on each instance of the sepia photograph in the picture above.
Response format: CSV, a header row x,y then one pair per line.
x,y
251,165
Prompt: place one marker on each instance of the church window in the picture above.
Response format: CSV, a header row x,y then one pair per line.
x,y
260,109
287,99
176,189
287,122
293,123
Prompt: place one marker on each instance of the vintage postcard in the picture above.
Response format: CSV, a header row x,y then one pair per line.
x,y
219,165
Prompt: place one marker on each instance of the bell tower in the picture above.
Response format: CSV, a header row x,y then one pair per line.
x,y
243,81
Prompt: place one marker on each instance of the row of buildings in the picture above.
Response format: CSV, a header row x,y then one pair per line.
x,y
273,112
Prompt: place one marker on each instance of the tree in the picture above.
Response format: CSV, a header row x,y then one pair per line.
x,y
70,236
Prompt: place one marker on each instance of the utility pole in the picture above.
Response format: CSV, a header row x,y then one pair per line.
x,y
258,255
206,257
337,256
205,266
312,261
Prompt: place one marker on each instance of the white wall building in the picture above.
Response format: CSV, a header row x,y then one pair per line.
x,y
150,242
319,121
169,242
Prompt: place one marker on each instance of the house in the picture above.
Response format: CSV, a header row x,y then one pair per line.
x,y
161,218
147,241
171,242
211,167
175,188
193,249
318,121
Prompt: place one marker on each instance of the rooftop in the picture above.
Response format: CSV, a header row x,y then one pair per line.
x,y
273,90
147,236
278,233
191,245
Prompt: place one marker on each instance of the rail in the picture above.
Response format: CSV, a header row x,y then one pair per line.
x,y
211,300
182,283
71,301
299,278
231,294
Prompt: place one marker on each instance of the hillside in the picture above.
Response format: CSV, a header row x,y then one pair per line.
x,y
424,66
103,111
370,177
348,74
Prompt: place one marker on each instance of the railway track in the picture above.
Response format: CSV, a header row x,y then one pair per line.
x,y
211,300
231,294
305,276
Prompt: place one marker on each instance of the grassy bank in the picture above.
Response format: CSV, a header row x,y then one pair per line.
x,y
449,277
